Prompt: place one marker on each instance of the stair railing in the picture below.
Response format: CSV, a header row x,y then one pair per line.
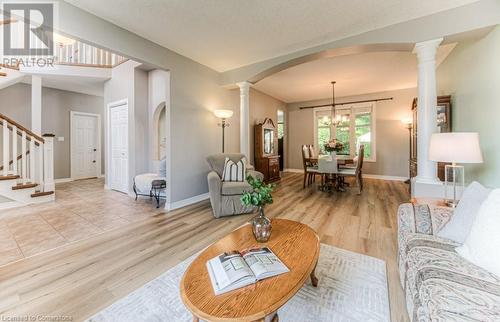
x,y
35,164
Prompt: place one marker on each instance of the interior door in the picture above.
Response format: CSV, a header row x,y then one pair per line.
x,y
84,146
119,148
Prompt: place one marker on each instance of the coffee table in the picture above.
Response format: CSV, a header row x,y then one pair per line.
x,y
297,246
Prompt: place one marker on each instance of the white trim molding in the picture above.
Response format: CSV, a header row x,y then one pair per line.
x,y
353,109
169,206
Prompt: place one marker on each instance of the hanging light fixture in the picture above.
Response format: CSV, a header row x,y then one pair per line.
x,y
334,119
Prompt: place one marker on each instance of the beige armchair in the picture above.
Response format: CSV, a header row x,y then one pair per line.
x,y
225,196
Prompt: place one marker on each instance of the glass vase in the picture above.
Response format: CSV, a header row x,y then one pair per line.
x,y
261,226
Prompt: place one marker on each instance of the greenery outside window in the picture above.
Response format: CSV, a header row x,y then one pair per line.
x,y
359,128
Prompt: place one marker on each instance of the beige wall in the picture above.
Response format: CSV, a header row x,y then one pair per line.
x,y
262,106
392,136
15,102
471,74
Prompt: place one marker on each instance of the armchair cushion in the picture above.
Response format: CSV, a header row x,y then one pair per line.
x,y
235,188
216,162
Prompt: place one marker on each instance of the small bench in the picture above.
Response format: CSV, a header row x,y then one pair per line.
x,y
150,185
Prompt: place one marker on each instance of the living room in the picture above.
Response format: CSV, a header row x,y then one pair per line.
x,y
371,219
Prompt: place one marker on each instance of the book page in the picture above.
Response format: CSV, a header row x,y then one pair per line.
x,y
263,262
230,268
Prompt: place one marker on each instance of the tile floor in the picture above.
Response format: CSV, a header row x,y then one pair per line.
x,y
30,230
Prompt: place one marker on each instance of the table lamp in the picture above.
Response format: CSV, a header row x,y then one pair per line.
x,y
223,115
455,147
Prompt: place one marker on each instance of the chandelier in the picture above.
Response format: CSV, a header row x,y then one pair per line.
x,y
334,118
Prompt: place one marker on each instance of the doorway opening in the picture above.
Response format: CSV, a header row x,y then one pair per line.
x,y
281,138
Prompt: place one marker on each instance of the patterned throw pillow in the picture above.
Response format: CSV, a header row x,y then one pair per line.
x,y
234,171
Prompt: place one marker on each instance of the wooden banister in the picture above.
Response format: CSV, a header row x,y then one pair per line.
x,y
19,157
21,128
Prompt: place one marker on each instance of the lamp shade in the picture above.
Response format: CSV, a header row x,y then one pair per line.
x,y
223,114
455,147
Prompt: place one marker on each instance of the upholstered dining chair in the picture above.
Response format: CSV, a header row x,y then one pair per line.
x,y
310,165
356,172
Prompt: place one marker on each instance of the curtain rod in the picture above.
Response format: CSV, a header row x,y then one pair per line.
x,y
346,103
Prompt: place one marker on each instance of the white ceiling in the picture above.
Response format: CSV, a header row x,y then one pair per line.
x,y
226,34
354,74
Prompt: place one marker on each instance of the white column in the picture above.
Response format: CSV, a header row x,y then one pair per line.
x,y
245,118
426,110
48,163
36,104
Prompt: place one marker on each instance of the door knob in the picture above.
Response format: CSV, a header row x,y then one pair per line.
x,y
95,150
93,161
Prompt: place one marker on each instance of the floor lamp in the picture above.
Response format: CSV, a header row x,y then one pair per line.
x,y
223,115
454,147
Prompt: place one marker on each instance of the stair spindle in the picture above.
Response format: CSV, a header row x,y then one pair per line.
x,y
6,156
40,166
14,150
32,160
24,169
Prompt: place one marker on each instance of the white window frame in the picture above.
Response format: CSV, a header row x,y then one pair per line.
x,y
352,107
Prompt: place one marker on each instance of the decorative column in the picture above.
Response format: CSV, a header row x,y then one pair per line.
x,y
426,109
244,118
36,104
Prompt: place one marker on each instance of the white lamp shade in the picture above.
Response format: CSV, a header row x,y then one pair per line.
x,y
455,147
223,114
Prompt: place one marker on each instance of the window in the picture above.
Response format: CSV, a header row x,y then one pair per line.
x,y
281,124
359,128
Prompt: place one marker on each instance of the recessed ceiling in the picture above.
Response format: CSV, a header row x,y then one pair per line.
x,y
226,34
355,75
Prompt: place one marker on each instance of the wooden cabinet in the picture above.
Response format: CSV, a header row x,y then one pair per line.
x,y
269,167
444,125
267,160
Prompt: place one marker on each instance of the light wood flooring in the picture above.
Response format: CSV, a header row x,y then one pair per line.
x,y
80,277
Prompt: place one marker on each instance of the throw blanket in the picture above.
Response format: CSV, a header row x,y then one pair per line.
x,y
143,182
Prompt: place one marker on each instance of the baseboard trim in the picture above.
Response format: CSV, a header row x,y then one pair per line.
x,y
62,180
367,176
294,170
169,206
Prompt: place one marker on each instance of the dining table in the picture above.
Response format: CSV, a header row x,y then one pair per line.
x,y
328,169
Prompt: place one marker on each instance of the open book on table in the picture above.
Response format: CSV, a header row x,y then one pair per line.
x,y
235,269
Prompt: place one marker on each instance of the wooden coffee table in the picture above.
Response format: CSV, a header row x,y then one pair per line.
x,y
297,246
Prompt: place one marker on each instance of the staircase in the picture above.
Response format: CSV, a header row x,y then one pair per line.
x,y
27,166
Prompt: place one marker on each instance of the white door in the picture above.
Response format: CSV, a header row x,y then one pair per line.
x,y
85,151
119,148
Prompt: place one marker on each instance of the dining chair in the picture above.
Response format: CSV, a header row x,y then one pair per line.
x,y
328,168
310,165
356,172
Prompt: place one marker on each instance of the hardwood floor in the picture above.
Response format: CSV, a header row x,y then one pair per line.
x,y
80,278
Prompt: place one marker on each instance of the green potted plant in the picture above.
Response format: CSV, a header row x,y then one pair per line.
x,y
259,196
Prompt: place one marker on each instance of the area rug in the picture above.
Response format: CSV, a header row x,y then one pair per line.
x,y
352,287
